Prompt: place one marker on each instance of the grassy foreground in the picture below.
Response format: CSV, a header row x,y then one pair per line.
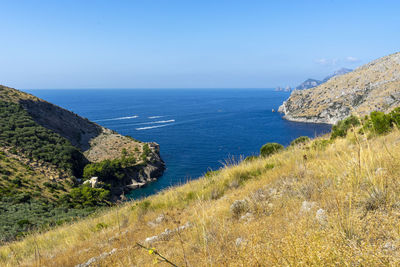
x,y
317,204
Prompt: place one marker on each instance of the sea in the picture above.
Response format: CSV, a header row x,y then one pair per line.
x,y
198,130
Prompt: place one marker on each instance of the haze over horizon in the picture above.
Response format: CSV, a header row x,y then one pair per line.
x,y
189,44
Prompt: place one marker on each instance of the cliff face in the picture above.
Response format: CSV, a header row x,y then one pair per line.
x,y
372,87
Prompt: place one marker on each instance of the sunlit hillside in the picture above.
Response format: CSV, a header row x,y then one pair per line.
x,y
322,203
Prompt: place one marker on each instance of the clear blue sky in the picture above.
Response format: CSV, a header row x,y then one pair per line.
x,y
189,44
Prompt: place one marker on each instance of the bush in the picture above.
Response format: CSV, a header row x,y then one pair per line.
x,y
300,140
85,196
270,148
395,114
380,122
341,128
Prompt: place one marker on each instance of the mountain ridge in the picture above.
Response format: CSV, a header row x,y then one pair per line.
x,y
372,87
310,83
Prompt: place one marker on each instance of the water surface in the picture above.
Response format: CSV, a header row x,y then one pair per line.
x,y
197,129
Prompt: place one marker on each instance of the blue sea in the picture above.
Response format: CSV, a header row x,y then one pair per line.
x,y
197,129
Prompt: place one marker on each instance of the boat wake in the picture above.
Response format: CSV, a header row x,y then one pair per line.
x,y
152,127
120,118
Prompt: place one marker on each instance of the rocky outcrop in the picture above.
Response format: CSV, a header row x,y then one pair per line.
x,y
140,174
374,86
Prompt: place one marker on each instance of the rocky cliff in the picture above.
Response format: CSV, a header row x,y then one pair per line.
x,y
374,86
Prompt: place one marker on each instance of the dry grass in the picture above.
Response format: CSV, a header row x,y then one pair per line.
x,y
354,180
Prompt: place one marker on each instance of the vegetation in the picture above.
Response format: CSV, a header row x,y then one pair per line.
x,y
110,170
376,124
21,214
341,128
321,204
19,131
39,170
29,201
85,196
300,140
270,149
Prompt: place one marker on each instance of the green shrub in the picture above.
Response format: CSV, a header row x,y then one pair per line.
x,y
270,148
341,128
380,122
300,140
85,196
100,226
395,114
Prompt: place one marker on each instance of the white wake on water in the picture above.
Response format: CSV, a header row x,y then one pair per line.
x,y
155,122
152,127
121,118
155,117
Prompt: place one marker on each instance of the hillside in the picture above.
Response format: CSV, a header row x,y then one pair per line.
x,y
332,201
47,152
374,86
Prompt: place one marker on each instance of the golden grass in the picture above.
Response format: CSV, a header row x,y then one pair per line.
x,y
354,180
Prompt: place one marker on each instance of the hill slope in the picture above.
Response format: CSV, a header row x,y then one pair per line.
x,y
46,152
374,86
323,203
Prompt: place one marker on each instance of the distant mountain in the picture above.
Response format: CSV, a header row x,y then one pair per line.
x,y
310,83
339,72
307,84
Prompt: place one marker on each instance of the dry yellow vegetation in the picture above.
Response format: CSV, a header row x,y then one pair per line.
x,y
317,205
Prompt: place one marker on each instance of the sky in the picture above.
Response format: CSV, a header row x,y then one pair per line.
x,y
189,44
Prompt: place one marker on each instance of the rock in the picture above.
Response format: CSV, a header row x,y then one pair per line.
x,y
151,239
247,217
389,246
307,206
135,185
260,195
157,221
92,181
322,217
380,171
167,234
98,258
238,207
160,218
240,241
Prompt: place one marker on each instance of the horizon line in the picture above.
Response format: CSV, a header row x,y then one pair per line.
x,y
152,88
